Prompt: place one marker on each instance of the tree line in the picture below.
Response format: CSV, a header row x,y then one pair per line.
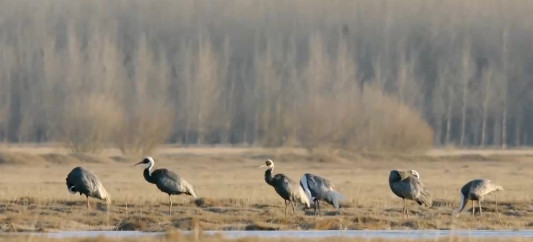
x,y
350,74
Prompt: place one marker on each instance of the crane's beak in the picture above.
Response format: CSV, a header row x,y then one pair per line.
x,y
262,166
140,162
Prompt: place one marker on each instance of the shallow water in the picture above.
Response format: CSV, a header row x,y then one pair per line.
x,y
405,234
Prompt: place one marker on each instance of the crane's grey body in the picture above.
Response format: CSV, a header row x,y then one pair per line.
x,y
85,182
169,182
166,180
407,185
476,190
318,188
286,188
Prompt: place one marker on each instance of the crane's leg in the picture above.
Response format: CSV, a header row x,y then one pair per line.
x,y
407,208
293,206
285,208
403,209
318,205
473,208
87,197
169,206
315,203
479,204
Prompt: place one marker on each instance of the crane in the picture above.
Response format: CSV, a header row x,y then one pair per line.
x,y
87,183
318,188
407,185
287,188
476,190
166,180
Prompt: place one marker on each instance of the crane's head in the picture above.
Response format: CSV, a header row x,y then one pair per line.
x,y
268,163
147,162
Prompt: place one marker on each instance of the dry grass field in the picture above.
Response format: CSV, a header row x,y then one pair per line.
x,y
234,196
173,236
176,236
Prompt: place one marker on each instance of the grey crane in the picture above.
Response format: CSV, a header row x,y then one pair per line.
x,y
318,188
406,184
85,182
167,181
288,189
476,190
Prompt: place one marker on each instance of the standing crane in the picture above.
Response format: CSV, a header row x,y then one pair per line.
x,y
287,188
407,185
318,188
85,182
167,181
476,190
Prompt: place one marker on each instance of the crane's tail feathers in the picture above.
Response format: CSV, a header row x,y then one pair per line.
x,y
192,192
101,193
425,199
499,188
334,197
188,188
302,197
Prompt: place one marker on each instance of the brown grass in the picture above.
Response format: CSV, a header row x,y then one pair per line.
x,y
234,196
176,236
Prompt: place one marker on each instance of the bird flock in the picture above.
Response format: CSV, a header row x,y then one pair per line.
x,y
406,184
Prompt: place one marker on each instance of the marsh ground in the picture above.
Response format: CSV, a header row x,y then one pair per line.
x,y
176,236
234,196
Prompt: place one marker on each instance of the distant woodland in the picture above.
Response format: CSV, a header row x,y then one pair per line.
x,y
345,74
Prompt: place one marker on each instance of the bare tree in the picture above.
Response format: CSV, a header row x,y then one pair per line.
x,y
308,74
504,88
206,88
466,75
269,110
487,79
147,108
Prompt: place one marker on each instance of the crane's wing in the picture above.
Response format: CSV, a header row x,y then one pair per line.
x,y
322,188
304,183
297,193
407,188
422,196
316,184
282,186
170,182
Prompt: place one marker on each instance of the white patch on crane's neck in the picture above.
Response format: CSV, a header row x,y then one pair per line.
x,y
150,165
270,164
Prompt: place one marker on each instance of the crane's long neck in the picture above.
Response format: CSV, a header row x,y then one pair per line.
x,y
464,199
268,175
148,174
